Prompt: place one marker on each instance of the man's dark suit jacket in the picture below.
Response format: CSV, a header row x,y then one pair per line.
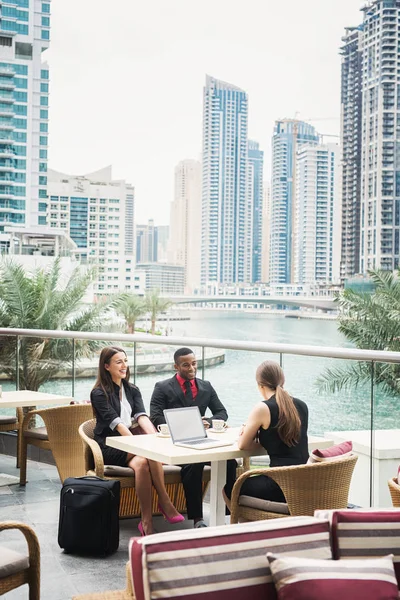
x,y
168,394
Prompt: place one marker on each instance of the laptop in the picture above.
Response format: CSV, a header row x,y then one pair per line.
x,y
187,429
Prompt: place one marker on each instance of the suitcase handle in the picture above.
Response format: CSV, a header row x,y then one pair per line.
x,y
90,477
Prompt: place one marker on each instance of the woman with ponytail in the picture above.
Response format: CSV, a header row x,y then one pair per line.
x,y
279,423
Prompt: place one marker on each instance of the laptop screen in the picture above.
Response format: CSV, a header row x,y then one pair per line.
x,y
185,423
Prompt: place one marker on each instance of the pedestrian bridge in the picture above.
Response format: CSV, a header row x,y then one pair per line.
x,y
325,303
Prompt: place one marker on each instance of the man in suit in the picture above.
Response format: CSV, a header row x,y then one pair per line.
x,y
184,389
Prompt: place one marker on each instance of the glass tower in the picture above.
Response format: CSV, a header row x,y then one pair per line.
x,y
255,181
24,100
289,136
224,195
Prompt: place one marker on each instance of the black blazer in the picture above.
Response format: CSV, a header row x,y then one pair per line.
x,y
107,410
168,394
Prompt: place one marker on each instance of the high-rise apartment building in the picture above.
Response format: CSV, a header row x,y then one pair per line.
x,y
318,215
146,243
374,62
266,233
185,222
162,243
224,190
289,136
255,210
24,105
97,212
351,130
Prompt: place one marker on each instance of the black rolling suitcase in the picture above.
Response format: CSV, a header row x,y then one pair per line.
x,y
89,515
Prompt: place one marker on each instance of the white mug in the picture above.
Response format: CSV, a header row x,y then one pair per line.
x,y
218,424
163,429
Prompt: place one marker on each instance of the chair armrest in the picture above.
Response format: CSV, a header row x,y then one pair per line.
x,y
28,417
97,454
238,486
31,538
283,476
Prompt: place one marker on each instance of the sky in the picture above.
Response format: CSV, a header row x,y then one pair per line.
x,y
127,77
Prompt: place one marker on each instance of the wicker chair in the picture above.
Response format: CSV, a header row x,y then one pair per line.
x,y
129,505
394,489
21,568
60,435
306,488
13,424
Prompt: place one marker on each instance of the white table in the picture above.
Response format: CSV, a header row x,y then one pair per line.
x,y
23,398
163,450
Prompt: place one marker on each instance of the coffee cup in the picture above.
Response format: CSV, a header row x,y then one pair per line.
x,y
218,424
163,429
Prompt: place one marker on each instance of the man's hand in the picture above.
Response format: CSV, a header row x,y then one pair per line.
x,y
205,423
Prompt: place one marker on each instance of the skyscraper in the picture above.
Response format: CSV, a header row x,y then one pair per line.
x,y
255,183
97,212
24,100
266,232
185,222
371,58
224,195
146,243
318,215
289,136
351,110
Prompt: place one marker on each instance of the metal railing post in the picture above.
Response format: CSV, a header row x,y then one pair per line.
x,y
17,363
372,436
281,360
134,363
73,367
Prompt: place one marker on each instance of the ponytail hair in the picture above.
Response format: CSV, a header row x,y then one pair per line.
x,y
270,374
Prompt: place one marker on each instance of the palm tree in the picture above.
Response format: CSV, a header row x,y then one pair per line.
x,y
131,308
45,300
156,305
370,321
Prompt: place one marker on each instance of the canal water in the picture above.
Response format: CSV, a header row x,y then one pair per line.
x,y
235,383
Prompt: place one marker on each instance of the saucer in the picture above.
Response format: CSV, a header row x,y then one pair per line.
x,y
162,435
217,430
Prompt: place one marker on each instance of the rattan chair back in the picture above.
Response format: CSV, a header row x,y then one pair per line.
x,y
394,489
310,487
62,424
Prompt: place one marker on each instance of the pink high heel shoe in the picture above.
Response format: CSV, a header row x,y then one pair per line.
x,y
141,529
173,520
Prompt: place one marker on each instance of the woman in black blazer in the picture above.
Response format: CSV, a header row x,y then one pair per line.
x,y
115,403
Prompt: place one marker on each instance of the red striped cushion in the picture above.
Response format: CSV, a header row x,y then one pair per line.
x,y
365,533
311,579
225,563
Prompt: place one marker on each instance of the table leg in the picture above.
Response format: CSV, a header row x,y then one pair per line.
x,y
217,504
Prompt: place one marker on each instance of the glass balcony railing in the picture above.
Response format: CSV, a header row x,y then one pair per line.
x,y
368,415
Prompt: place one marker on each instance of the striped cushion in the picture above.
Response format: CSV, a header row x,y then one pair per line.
x,y
311,579
222,562
365,533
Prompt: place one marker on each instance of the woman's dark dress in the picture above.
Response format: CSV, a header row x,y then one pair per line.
x,y
280,455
